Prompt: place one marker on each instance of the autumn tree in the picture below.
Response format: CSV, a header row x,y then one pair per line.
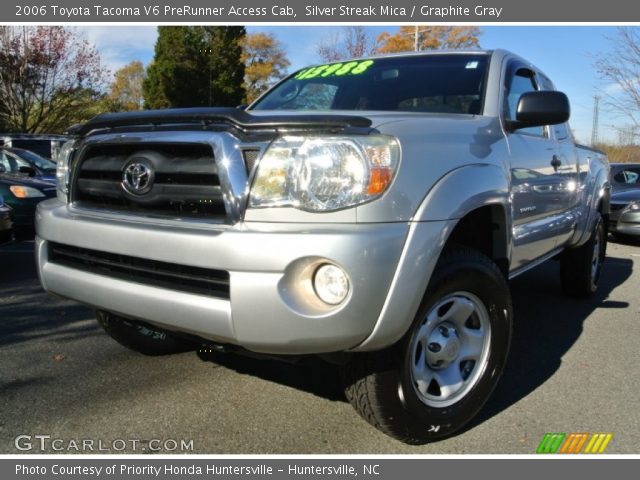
x,y
350,42
620,69
126,90
50,77
433,37
195,66
265,62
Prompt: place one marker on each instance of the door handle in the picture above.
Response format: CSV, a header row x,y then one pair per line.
x,y
555,162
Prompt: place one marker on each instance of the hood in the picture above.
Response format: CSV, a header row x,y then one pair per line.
x,y
377,118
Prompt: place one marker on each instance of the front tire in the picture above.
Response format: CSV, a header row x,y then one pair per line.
x,y
140,337
433,381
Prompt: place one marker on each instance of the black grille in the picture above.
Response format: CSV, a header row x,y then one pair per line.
x,y
202,281
186,182
617,206
250,157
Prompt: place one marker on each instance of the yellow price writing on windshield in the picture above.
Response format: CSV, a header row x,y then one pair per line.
x,y
335,70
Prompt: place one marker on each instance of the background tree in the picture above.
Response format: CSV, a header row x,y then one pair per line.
x,y
50,77
620,68
265,62
435,37
126,90
195,66
350,42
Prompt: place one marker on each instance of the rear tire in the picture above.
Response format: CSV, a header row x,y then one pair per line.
x,y
434,380
580,267
141,337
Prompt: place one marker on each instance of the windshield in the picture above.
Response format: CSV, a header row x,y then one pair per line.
x,y
448,83
25,163
34,159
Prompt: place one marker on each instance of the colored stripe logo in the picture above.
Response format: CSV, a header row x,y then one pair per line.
x,y
574,443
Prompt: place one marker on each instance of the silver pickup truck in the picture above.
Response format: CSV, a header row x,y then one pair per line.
x,y
370,212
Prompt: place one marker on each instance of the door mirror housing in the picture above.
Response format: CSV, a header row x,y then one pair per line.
x,y
539,108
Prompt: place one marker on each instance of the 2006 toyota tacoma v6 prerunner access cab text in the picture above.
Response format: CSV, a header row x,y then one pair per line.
x,y
370,212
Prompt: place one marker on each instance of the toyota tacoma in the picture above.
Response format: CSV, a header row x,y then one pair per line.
x,y
370,212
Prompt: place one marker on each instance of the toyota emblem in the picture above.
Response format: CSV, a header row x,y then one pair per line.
x,y
137,177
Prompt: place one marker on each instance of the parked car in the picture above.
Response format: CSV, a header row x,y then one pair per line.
x,y
369,211
23,195
24,162
6,224
624,220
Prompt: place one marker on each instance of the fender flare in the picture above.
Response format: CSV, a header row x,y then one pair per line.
x,y
600,191
457,193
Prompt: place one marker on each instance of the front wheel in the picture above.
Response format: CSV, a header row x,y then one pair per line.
x,y
432,382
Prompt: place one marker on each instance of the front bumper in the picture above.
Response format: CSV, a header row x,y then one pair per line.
x,y
268,309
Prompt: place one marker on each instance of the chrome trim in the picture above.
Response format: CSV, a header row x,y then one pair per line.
x,y
227,153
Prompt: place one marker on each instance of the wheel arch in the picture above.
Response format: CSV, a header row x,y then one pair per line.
x,y
468,206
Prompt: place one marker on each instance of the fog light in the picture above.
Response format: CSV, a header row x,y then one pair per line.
x,y
331,284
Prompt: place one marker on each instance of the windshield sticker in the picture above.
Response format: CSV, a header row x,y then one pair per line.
x,y
335,70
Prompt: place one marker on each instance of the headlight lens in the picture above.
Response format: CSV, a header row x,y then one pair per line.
x,y
322,174
634,207
62,170
25,192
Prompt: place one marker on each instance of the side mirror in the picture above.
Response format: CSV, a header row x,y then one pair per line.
x,y
540,108
2,169
28,170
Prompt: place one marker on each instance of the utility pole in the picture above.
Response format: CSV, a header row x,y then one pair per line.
x,y
416,34
596,114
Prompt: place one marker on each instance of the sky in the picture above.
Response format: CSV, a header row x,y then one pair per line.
x,y
565,53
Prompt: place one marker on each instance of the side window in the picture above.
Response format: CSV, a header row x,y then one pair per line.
x,y
520,83
561,131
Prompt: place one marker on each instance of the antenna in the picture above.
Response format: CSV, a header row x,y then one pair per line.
x,y
596,114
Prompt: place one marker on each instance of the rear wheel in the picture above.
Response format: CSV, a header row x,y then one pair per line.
x,y
580,267
432,382
142,337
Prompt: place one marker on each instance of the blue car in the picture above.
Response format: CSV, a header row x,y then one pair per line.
x,y
23,195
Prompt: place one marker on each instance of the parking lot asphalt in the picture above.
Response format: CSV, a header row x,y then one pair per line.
x,y
573,368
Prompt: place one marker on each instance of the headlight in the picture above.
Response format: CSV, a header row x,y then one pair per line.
x,y
62,170
322,174
633,207
25,192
